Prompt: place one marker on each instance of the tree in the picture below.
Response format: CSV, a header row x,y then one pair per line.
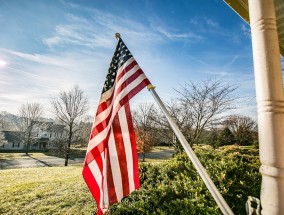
x,y
226,137
162,127
83,130
144,128
29,116
5,124
68,108
244,129
202,105
3,140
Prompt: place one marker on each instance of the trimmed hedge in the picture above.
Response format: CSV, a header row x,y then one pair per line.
x,y
174,187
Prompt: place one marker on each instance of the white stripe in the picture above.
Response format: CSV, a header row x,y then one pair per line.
x,y
115,168
98,138
102,116
99,118
98,176
102,135
127,75
105,96
105,190
128,88
120,69
127,146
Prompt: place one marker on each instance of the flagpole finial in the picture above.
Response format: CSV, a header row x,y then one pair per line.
x,y
117,36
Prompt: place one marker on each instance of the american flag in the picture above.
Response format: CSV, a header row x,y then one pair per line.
x,y
111,163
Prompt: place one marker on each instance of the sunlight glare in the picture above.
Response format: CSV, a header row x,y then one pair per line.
x,y
2,63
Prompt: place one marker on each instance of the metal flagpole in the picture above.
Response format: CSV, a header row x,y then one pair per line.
x,y
200,169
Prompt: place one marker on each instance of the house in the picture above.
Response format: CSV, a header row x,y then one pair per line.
x,y
13,140
42,138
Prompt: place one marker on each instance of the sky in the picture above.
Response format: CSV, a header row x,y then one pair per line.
x,y
50,46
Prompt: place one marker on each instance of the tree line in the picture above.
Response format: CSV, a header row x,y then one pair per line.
x,y
69,109
199,109
203,113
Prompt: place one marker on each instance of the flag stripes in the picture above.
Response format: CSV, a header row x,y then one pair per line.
x,y
121,93
111,163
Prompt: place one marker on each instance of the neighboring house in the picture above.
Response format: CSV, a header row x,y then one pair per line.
x,y
14,140
50,133
42,138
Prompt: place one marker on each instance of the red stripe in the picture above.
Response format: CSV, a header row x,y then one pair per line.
x,y
133,146
133,92
98,149
112,198
100,127
128,81
93,186
119,143
104,105
125,70
94,152
94,155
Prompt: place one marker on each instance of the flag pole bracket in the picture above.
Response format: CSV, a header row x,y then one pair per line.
x,y
150,86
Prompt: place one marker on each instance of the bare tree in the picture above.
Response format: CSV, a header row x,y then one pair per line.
x,y
69,108
3,140
4,123
29,116
198,106
244,129
144,128
180,115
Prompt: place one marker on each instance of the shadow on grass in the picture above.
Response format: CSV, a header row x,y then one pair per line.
x,y
7,163
38,160
74,153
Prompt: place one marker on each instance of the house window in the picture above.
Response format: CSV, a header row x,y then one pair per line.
x,y
13,144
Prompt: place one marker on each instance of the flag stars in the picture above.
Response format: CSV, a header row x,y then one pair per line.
x,y
121,55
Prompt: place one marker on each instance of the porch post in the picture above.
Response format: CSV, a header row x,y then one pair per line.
x,y
270,103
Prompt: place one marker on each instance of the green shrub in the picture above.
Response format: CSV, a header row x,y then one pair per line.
x,y
174,187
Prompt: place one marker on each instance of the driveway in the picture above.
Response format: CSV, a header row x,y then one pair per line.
x,y
20,160
30,161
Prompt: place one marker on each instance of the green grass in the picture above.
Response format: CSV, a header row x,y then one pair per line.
x,y
45,190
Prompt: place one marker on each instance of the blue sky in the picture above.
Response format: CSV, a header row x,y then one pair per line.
x,y
50,46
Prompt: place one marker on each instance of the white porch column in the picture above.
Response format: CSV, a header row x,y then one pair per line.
x,y
270,102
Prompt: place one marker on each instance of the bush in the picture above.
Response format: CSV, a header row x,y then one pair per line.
x,y
174,187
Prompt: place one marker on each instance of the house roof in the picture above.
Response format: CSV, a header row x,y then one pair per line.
x,y
13,135
241,8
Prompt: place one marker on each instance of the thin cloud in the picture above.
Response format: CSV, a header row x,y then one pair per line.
x,y
98,32
246,30
38,58
197,60
204,22
179,36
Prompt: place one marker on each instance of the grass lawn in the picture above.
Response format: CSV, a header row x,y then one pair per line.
x,y
45,190
48,190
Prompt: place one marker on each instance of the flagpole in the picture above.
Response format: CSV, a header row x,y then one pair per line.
x,y
200,169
